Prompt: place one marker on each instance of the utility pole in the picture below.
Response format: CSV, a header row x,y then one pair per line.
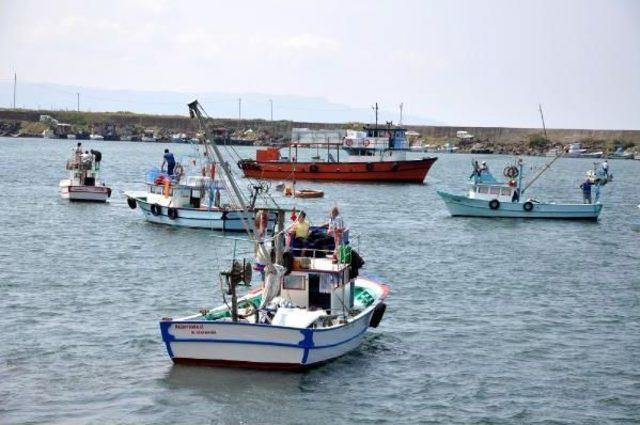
x,y
78,96
401,105
15,82
239,110
375,108
271,103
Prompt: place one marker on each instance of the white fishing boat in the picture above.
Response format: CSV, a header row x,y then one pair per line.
x,y
192,197
83,183
620,153
488,197
307,310
95,136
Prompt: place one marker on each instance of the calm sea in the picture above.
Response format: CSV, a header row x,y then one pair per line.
x,y
489,321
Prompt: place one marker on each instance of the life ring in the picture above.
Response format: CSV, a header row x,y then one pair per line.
x,y
313,168
494,204
172,213
511,171
132,203
366,143
369,166
395,166
527,206
348,142
156,209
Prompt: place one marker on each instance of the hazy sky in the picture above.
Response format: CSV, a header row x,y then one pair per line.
x,y
459,62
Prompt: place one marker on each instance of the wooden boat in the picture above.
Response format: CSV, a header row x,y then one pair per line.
x,y
83,183
376,154
309,193
307,311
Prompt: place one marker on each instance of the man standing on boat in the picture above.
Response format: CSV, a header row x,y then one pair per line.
x,y
97,157
170,161
586,191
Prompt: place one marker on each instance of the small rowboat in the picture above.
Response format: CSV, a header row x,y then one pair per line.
x,y
309,193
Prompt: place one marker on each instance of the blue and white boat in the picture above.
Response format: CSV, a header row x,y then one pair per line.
x,y
318,314
489,197
311,306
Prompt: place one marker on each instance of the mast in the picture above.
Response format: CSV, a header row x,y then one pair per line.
x,y
401,106
375,108
547,166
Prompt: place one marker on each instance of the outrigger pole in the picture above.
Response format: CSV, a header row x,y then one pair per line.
x,y
547,166
195,111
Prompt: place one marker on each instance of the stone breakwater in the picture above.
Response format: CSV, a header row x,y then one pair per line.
x,y
500,139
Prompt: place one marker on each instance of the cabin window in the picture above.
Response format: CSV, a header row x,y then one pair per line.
x,y
295,282
505,192
318,295
483,189
494,190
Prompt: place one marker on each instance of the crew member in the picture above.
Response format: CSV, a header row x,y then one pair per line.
x,y
169,160
586,191
97,157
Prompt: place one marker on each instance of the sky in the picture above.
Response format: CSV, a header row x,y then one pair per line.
x,y
458,62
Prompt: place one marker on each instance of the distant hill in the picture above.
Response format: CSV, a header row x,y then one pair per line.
x,y
47,96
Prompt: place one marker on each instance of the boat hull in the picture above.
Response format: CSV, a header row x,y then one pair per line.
x,y
461,205
85,193
261,346
224,221
407,171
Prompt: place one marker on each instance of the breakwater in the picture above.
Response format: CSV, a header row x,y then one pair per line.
x,y
27,122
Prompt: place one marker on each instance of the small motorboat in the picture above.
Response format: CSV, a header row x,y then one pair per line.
x,y
309,193
83,183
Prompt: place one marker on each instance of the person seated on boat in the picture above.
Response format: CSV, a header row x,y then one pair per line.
x,y
299,234
97,157
169,160
586,191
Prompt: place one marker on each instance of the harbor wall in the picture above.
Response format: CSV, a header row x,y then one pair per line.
x,y
281,130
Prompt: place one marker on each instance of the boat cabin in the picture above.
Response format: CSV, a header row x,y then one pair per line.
x,y
317,284
484,186
374,137
192,192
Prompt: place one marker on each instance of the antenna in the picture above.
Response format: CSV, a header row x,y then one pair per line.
x,y
15,82
401,106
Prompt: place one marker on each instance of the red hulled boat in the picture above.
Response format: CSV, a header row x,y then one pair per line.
x,y
377,154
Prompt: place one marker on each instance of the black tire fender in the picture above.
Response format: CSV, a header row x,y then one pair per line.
x,y
156,209
527,206
494,204
132,203
172,213
376,317
313,168
369,166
